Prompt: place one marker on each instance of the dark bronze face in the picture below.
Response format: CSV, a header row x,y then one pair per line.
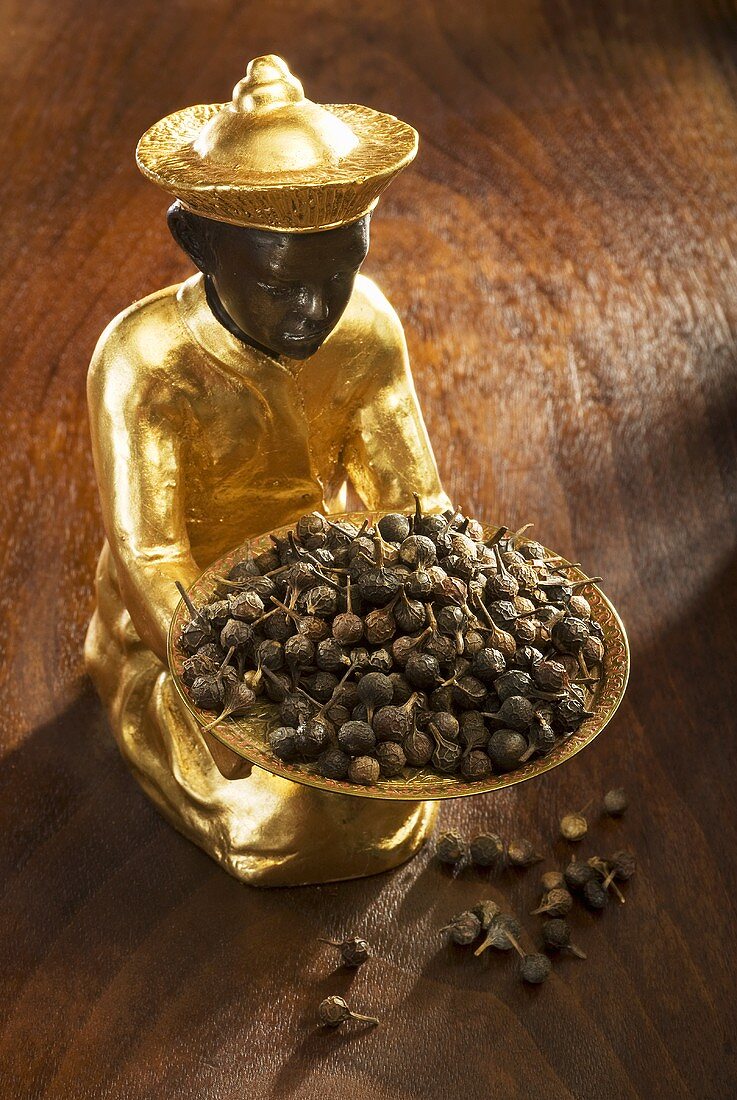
x,y
282,292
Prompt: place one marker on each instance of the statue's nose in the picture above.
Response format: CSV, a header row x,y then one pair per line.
x,y
314,306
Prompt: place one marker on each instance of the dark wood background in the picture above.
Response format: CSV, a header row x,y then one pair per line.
x,y
563,257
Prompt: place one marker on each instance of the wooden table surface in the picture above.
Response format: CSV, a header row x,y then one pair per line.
x,y
563,257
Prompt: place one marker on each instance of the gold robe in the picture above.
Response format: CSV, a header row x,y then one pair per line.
x,y
201,442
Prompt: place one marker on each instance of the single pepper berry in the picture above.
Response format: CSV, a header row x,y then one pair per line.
x,y
391,759
472,733
615,802
464,928
487,850
380,625
207,692
422,670
237,700
410,615
334,1011
522,853
503,612
299,652
579,606
594,894
571,711
393,723
556,935
380,583
574,826
329,655
592,651
516,712
333,764
451,620
348,627
296,709
314,737
217,613
486,911
447,756
247,605
532,551
524,657
419,584
364,770
418,748
506,749
475,766
487,664
526,631
270,654
357,738
556,903
534,968
500,929
312,530
623,865
354,951
552,880
321,685
283,742
394,527
238,634
200,664
381,661
468,693
375,690
502,586
569,634
577,874
321,599
418,551
278,626
550,676
451,848
514,682
443,726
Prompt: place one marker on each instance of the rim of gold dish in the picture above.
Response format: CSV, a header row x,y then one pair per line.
x,y
248,735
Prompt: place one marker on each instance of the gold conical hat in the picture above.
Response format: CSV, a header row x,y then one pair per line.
x,y
272,159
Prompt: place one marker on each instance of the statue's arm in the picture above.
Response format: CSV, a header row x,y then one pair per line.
x,y
135,447
388,455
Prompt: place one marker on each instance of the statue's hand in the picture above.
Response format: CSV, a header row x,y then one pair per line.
x,y
151,596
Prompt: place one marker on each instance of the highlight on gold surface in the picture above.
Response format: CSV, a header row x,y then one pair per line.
x,y
248,735
273,159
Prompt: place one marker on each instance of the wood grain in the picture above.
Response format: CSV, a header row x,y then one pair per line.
x,y
563,257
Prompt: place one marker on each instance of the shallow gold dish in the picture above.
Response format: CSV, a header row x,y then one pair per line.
x,y
248,736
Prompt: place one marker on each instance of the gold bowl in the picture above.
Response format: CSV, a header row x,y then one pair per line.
x,y
248,735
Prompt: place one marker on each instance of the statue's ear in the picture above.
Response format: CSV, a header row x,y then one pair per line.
x,y
190,233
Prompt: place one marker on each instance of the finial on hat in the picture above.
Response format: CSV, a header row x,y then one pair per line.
x,y
269,126
268,83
